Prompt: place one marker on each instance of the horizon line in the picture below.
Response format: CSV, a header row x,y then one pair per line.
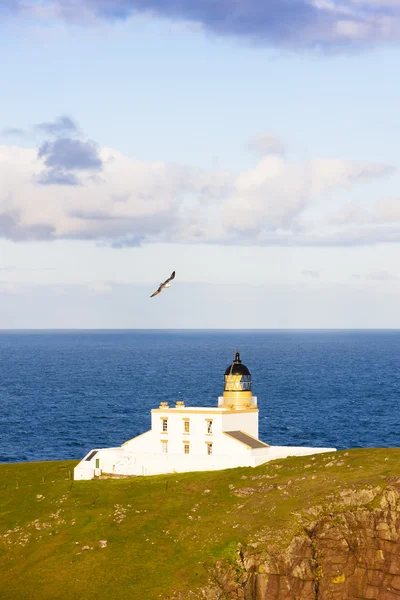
x,y
234,329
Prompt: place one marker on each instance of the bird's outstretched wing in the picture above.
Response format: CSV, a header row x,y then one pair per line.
x,y
156,292
169,278
162,285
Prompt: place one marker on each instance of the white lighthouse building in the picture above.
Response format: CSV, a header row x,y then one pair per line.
x,y
184,438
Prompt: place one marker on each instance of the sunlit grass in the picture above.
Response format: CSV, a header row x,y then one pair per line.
x,y
162,532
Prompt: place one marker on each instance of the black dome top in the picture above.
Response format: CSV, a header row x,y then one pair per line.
x,y
237,368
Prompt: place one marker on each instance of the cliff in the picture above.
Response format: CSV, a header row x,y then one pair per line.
x,y
323,527
350,552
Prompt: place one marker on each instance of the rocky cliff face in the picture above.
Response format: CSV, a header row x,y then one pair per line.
x,y
346,549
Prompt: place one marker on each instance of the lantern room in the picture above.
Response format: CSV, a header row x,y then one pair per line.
x,y
237,389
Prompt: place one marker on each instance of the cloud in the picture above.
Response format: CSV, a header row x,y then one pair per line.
x,y
71,188
276,193
63,156
66,153
267,143
311,273
13,132
134,201
8,287
10,6
381,276
290,23
372,223
57,177
100,288
61,126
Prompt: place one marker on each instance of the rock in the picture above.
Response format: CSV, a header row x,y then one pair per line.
x,y
339,579
358,497
354,553
389,499
244,492
103,543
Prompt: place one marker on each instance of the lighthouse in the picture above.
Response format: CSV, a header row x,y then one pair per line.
x,y
187,438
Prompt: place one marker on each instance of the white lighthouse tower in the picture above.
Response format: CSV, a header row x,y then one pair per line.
x,y
184,438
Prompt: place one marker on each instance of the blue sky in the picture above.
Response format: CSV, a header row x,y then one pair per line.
x,y
254,151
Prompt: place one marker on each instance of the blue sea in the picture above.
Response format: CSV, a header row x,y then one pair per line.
x,y
63,393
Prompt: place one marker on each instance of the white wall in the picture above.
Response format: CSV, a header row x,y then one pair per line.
x,y
152,464
198,436
143,443
263,455
84,470
143,455
122,461
243,421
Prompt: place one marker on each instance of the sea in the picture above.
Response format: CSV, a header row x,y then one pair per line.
x,y
65,392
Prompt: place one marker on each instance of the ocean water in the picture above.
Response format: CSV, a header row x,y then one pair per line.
x,y
63,393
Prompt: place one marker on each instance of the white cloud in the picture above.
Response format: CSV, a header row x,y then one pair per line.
x,y
8,287
271,196
127,201
382,275
267,143
388,210
100,287
377,3
313,273
356,224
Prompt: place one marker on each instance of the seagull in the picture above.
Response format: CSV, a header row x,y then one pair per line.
x,y
166,284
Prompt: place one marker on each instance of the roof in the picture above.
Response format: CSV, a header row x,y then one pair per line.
x,y
90,456
247,439
218,410
237,368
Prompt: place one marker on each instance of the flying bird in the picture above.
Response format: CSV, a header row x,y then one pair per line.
x,y
166,284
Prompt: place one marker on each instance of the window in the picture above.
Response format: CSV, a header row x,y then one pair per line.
x,y
209,448
186,426
238,383
164,446
209,426
165,425
186,448
97,463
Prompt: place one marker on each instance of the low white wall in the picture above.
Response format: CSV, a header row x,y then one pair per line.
x,y
157,464
84,471
121,461
262,455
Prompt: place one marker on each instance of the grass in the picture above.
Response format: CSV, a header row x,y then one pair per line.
x,y
163,532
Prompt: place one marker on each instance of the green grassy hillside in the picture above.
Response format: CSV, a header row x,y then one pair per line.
x,y
146,537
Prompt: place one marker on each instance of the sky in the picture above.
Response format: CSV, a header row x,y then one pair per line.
x,y
249,145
